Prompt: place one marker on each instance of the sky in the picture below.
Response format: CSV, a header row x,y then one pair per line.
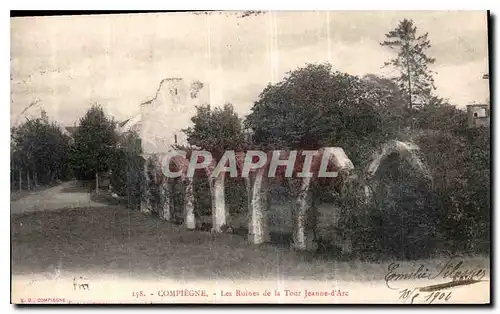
x,y
68,63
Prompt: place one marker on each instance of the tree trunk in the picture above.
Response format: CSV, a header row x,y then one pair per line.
x,y
302,235
35,178
258,231
96,183
28,180
166,200
219,215
20,181
190,221
410,91
409,82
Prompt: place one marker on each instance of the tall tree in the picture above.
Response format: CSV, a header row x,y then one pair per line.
x,y
95,143
412,61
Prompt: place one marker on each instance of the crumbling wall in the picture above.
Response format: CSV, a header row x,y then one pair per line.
x,y
162,118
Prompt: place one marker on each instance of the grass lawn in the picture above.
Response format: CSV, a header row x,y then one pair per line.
x,y
114,240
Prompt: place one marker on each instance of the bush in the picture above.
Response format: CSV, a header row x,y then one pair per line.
x,y
236,196
460,163
127,170
154,183
409,217
118,177
397,222
202,196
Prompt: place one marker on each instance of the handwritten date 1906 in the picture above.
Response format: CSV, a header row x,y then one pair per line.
x,y
412,295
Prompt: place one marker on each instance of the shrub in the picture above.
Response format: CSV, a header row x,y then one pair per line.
x,y
127,170
409,217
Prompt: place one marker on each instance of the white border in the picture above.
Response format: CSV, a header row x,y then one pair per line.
x,y
193,5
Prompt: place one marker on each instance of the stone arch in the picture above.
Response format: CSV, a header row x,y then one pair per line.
x,y
388,152
258,231
180,164
399,191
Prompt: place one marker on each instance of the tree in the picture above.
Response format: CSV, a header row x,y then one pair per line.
x,y
415,78
41,149
389,100
215,130
313,107
95,142
444,117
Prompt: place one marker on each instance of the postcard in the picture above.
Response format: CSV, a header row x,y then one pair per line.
x,y
278,157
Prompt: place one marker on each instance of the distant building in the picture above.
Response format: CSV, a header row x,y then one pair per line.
x,y
70,131
478,115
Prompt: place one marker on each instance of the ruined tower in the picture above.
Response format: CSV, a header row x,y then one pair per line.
x,y
162,118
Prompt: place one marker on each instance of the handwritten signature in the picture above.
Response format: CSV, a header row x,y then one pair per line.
x,y
453,269
81,283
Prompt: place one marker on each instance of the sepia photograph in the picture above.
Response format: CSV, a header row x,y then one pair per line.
x,y
250,157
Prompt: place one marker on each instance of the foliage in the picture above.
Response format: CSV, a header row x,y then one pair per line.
x,y
461,168
415,78
118,169
95,142
135,179
215,130
195,88
126,168
40,148
410,217
153,183
390,103
313,107
235,195
399,221
444,117
202,195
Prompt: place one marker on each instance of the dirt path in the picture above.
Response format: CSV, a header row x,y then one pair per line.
x,y
66,195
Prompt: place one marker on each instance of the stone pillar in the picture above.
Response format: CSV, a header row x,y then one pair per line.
x,y
302,236
219,214
258,231
189,221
